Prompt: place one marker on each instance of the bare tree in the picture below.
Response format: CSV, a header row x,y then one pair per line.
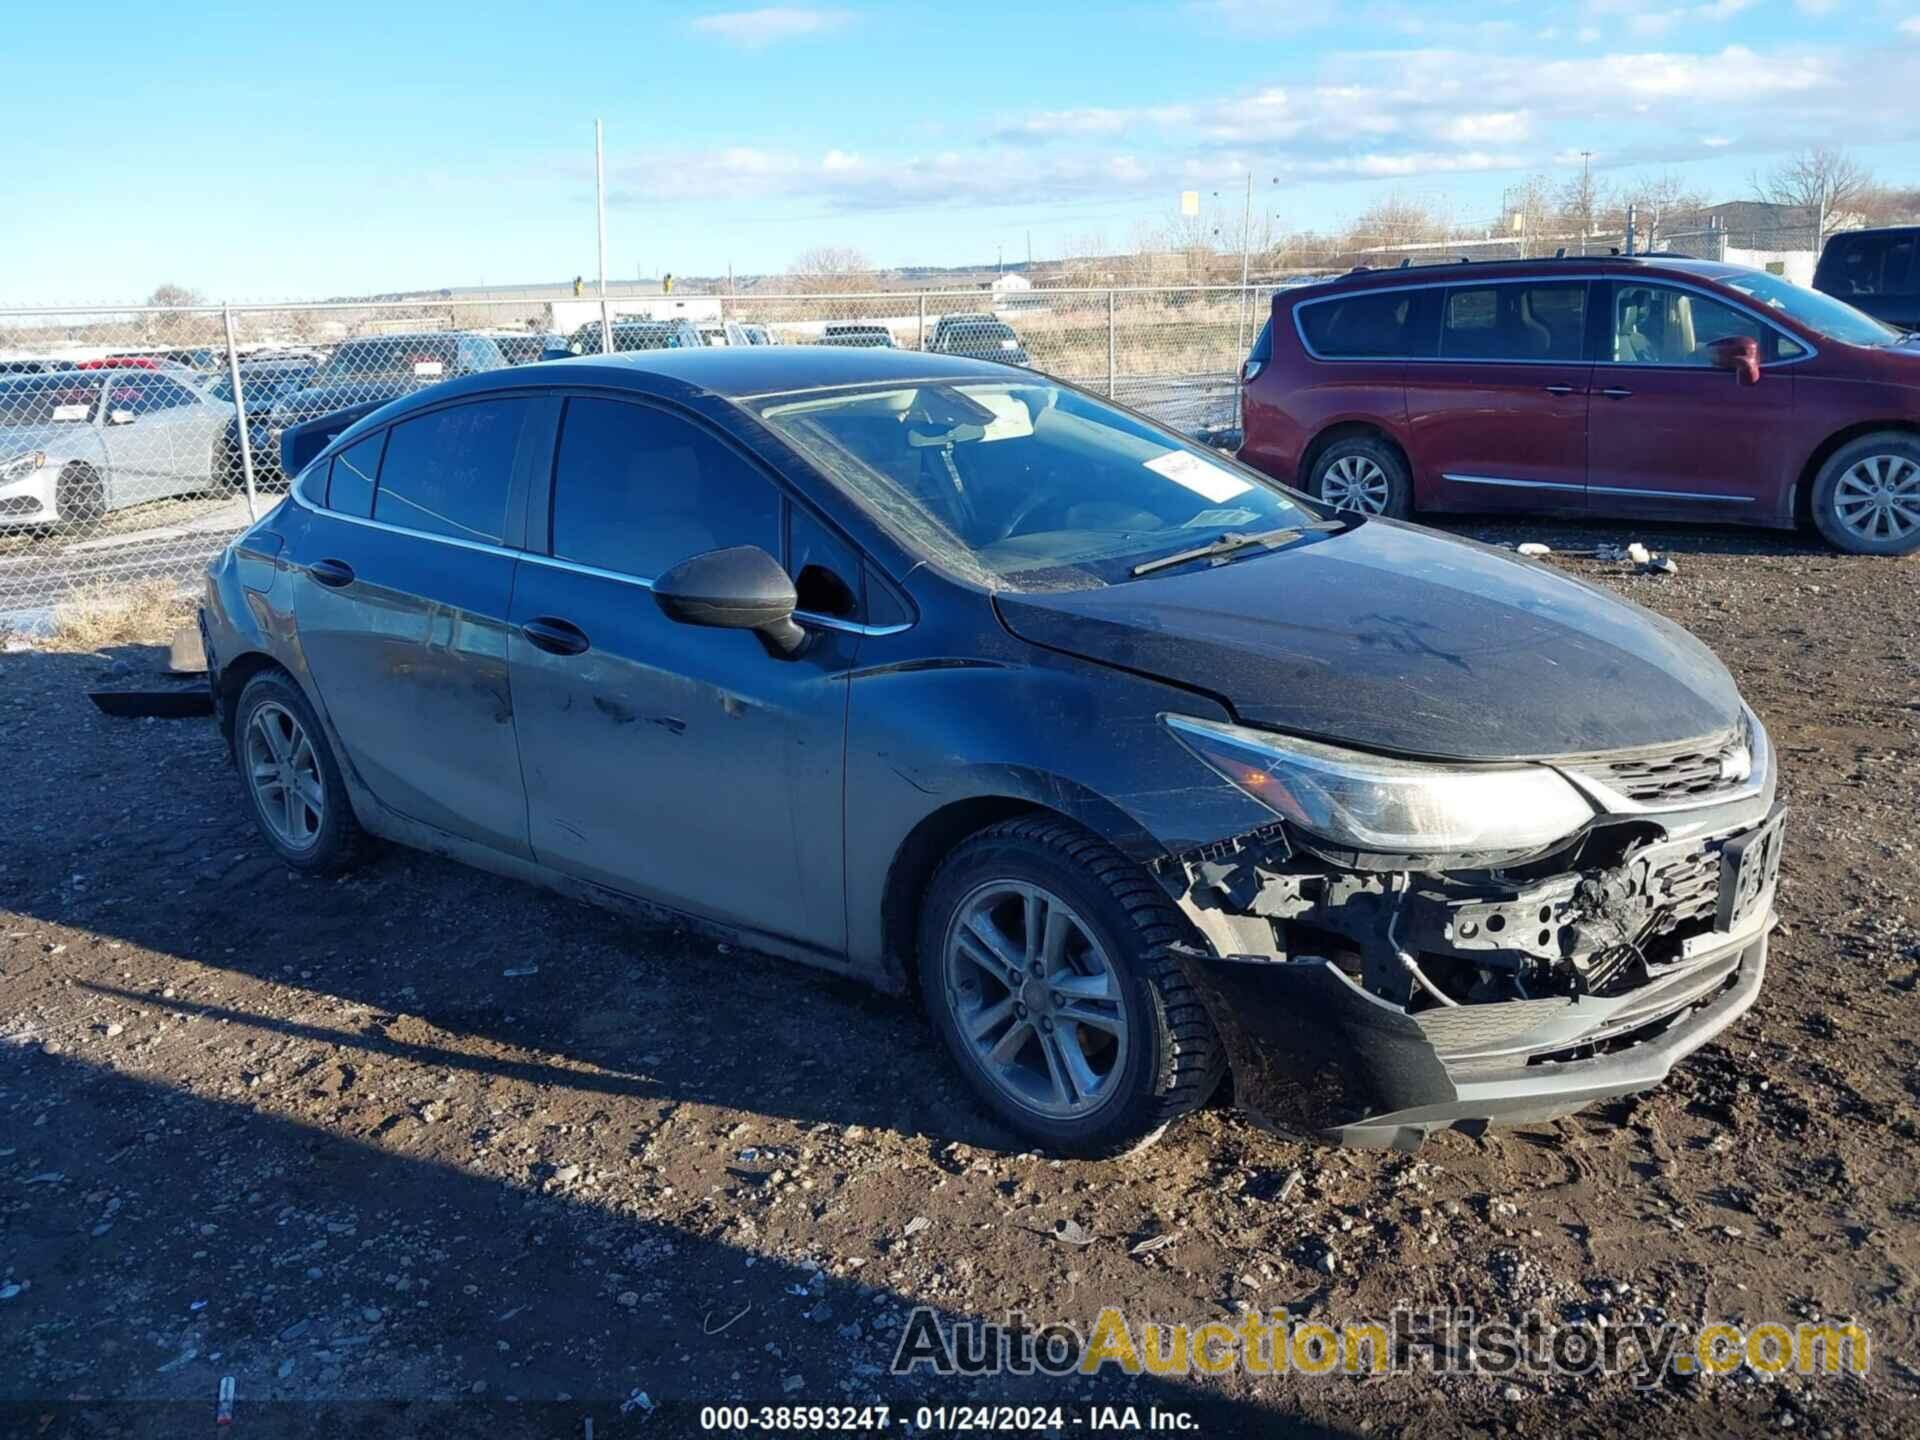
x,y
829,269
173,327
1660,203
1395,220
1820,180
1582,202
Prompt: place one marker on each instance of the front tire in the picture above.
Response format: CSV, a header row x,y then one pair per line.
x,y
1866,499
1044,964
292,780
1362,473
80,499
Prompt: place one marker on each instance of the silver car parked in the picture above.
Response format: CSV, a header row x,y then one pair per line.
x,y
78,444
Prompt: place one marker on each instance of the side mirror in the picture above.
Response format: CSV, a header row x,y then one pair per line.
x,y
1740,354
741,588
120,417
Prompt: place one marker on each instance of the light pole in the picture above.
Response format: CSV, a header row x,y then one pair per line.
x,y
600,212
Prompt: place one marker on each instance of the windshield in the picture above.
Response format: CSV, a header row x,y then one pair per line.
x,y
1833,318
1024,483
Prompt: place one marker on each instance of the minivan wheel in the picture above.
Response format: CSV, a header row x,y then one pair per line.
x,y
1364,474
1867,497
1044,964
291,777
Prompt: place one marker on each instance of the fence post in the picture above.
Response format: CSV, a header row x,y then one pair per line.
x,y
921,344
606,328
240,414
1110,344
1630,220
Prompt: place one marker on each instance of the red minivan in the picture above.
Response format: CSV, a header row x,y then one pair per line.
x,y
1650,387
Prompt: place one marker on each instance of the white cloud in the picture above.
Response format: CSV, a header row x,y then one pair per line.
x,y
1815,7
752,29
1499,127
1910,26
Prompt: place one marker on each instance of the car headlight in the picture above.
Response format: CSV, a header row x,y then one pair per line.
x,y
18,467
1358,801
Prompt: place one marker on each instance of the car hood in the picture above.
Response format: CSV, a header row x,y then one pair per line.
x,y
1389,637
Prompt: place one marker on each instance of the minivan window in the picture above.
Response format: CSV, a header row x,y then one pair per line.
x,y
352,474
637,490
448,472
1515,322
1661,325
1368,326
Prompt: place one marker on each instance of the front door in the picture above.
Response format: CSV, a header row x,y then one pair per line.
x,y
401,590
137,426
1499,419
1671,435
684,765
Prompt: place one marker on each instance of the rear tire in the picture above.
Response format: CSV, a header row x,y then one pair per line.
x,y
292,780
1115,1016
1362,473
1866,499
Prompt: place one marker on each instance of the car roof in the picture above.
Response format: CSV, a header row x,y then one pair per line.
x,y
732,372
1545,267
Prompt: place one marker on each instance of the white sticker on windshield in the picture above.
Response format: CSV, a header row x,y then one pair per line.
x,y
429,367
1209,482
70,412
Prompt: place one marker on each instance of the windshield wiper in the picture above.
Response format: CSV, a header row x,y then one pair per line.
x,y
1232,541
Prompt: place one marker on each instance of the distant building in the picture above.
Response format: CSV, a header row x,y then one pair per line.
x,y
1011,283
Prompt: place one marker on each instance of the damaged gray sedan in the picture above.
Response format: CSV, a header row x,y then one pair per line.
x,y
1131,765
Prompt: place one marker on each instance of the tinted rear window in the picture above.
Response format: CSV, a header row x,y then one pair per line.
x,y
350,482
1355,327
1871,264
393,357
448,472
1515,322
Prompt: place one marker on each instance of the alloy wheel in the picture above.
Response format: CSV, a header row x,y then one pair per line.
x,y
1353,482
284,771
1035,999
1878,498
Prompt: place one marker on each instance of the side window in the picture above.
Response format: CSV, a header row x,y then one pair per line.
x,y
448,472
150,394
1515,322
1659,325
1357,327
825,569
350,480
637,490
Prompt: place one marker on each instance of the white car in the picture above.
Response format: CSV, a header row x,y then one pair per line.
x,y
78,444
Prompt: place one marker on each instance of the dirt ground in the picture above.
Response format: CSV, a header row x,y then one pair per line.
x,y
419,1151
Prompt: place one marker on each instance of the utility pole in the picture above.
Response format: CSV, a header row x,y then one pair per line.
x,y
1586,198
600,212
1246,258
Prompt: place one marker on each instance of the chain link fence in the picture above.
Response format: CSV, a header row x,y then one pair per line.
x,y
136,441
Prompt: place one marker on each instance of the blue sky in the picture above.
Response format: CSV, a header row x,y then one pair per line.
x,y
351,147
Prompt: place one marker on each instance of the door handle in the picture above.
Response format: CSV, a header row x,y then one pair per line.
x,y
334,574
1559,389
1614,392
556,637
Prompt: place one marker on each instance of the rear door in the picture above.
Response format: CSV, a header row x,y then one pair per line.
x,y
401,596
684,765
1672,435
1498,418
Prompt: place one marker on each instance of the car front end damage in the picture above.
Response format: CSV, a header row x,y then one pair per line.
x,y
1568,945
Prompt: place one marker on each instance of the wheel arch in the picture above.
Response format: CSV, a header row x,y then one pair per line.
x,y
1825,451
234,675
936,834
1339,430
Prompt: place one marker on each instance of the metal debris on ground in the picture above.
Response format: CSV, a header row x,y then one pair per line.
x,y
1157,1242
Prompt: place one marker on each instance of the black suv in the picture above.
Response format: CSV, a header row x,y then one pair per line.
x,y
1877,271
